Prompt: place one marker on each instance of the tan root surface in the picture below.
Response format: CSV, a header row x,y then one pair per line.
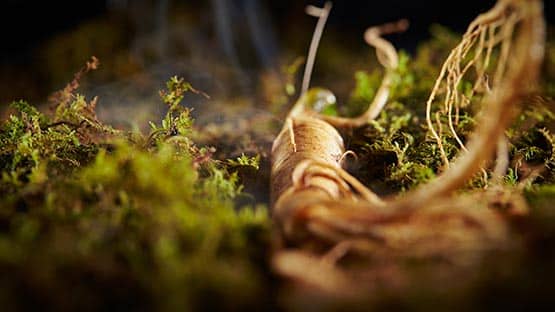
x,y
323,214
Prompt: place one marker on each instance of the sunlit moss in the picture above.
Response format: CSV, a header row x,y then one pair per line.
x,y
155,211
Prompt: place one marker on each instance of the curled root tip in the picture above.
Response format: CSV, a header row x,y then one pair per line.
x,y
344,156
396,27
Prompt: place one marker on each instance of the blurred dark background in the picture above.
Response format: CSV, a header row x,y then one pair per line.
x,y
26,23
222,46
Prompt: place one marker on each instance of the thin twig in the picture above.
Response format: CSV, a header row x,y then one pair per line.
x,y
322,14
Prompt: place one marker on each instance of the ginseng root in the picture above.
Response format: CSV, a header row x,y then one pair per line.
x,y
317,203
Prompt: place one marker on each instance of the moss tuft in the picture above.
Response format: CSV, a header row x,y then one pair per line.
x,y
153,212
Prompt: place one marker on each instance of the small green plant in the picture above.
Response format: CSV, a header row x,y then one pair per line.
x,y
246,161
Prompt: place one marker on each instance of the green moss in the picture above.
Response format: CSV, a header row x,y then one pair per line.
x,y
154,212
396,141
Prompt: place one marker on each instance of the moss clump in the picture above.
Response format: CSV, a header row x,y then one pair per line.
x,y
100,218
395,148
397,152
